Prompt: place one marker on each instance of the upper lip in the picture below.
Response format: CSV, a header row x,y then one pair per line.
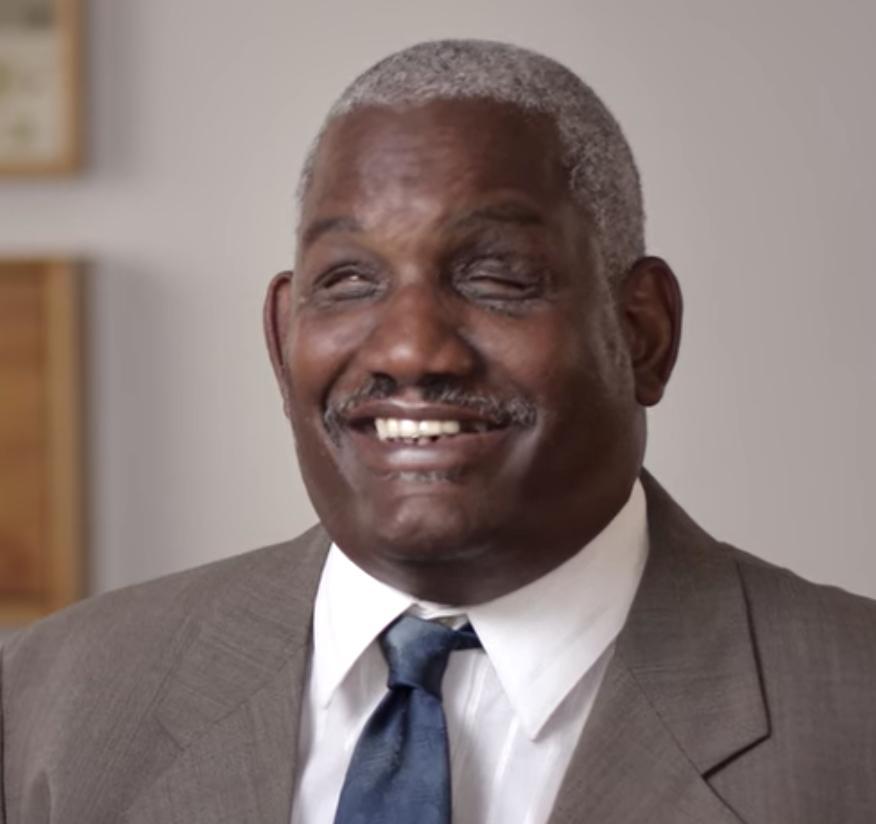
x,y
369,410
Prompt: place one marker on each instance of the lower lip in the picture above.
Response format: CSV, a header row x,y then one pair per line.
x,y
444,455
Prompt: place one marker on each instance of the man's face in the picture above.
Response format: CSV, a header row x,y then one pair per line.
x,y
459,385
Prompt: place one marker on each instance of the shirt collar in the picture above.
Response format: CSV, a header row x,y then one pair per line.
x,y
541,639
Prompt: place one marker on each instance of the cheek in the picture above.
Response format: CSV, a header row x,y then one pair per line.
x,y
541,355
574,368
612,365
316,352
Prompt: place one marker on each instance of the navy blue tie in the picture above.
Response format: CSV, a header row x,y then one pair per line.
x,y
400,769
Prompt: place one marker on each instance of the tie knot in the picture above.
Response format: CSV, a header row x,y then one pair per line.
x,y
417,651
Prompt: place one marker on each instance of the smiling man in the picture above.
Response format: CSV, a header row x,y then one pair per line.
x,y
501,616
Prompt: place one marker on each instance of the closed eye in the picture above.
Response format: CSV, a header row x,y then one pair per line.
x,y
346,282
499,279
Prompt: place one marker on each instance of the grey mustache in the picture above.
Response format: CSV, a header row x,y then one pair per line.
x,y
516,411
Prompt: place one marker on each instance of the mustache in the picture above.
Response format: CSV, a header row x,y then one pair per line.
x,y
506,411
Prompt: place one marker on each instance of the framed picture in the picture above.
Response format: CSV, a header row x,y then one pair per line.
x,y
39,86
41,480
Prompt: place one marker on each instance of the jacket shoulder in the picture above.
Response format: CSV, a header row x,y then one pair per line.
x,y
135,617
805,621
81,688
816,650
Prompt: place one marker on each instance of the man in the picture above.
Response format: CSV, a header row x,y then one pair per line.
x,y
466,350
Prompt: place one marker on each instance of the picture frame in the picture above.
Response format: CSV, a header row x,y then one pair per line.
x,y
41,449
40,87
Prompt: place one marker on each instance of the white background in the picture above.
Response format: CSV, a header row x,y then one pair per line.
x,y
754,125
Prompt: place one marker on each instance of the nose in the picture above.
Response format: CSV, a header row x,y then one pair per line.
x,y
417,337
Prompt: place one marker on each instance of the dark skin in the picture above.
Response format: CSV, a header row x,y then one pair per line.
x,y
445,273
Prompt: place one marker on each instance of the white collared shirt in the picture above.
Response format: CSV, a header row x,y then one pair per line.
x,y
515,710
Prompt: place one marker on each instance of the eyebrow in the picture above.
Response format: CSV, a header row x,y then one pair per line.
x,y
328,224
514,213
518,214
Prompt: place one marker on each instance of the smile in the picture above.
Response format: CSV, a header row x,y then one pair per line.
x,y
425,432
405,441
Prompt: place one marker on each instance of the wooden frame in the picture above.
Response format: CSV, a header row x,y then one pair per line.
x,y
53,114
41,477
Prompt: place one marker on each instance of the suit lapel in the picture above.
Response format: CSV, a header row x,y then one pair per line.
x,y
233,701
629,770
682,694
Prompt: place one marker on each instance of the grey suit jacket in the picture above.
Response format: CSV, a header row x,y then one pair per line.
x,y
738,693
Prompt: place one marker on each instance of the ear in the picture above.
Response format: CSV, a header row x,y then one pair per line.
x,y
650,307
276,321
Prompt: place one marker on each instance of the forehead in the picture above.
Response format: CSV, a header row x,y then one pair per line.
x,y
438,155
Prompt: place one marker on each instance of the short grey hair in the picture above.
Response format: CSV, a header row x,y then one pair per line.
x,y
602,175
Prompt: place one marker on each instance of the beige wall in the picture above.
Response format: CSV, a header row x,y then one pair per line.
x,y
753,123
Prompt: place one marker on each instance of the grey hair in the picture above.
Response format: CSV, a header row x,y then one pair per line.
x,y
602,175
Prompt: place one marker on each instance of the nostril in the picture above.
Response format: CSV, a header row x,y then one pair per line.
x,y
382,385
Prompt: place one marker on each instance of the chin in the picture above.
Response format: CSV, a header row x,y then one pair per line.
x,y
425,529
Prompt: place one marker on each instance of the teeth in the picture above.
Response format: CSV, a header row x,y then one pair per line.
x,y
430,428
419,432
408,428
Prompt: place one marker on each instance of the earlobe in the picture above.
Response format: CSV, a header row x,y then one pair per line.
x,y
651,306
276,321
